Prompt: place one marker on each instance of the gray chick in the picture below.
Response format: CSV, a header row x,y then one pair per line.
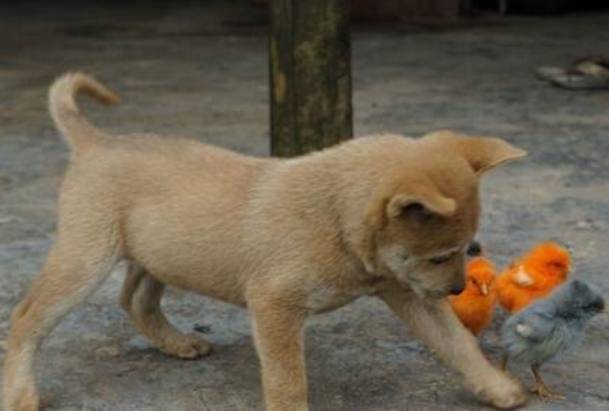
x,y
548,328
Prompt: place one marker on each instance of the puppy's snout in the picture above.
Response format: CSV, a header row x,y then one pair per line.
x,y
474,249
458,287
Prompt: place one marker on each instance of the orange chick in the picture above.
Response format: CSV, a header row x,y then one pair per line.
x,y
533,276
476,304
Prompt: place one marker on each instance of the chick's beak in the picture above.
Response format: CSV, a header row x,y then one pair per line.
x,y
484,289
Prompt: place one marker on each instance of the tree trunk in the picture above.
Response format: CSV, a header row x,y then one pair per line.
x,y
310,64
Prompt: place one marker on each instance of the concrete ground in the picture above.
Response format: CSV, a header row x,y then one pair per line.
x,y
202,72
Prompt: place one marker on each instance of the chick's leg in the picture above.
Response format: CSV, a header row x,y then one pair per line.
x,y
541,389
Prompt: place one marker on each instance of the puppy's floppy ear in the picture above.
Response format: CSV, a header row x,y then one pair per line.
x,y
417,206
482,153
420,205
486,153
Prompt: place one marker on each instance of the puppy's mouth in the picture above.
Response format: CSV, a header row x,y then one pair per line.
x,y
435,294
429,294
412,284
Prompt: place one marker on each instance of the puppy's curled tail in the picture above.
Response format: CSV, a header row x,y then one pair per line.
x,y
79,133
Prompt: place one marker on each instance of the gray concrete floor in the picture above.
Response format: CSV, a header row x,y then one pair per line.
x,y
201,72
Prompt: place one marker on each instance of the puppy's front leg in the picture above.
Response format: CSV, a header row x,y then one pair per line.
x,y
278,334
434,322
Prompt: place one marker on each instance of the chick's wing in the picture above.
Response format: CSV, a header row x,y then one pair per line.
x,y
534,327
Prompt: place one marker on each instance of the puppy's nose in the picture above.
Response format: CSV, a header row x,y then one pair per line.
x,y
474,249
457,289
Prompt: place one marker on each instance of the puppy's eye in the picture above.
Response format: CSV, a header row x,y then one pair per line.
x,y
441,259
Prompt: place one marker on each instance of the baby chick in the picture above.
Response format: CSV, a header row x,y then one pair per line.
x,y
549,327
475,305
533,276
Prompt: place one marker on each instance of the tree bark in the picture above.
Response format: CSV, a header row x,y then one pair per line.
x,y
310,65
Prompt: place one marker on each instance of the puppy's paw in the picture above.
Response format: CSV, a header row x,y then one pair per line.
x,y
187,347
501,392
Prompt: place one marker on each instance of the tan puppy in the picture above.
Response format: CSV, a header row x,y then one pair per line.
x,y
383,215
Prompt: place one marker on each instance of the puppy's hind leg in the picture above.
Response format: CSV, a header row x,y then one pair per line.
x,y
70,273
141,298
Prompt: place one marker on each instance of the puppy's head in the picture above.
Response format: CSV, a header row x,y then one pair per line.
x,y
425,211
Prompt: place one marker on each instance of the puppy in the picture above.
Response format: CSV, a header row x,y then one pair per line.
x,y
287,238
